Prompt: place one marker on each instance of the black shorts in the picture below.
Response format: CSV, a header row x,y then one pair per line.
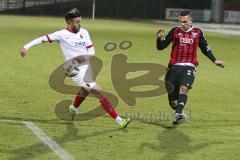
x,y
178,76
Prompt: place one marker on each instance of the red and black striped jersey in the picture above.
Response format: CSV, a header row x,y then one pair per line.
x,y
185,44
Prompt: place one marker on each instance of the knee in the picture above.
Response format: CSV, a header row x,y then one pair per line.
x,y
84,92
98,93
173,104
184,89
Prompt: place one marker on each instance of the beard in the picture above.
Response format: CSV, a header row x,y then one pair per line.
x,y
75,29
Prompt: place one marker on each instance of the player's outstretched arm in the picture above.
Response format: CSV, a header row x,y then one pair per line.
x,y
219,63
207,51
37,41
161,33
162,40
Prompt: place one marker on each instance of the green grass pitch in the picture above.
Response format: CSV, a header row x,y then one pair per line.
x,y
211,134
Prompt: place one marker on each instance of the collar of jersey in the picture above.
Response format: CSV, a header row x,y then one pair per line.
x,y
188,29
72,31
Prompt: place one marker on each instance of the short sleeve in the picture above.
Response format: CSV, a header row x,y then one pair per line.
x,y
53,36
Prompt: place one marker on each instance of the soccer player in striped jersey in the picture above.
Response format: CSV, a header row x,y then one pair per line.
x,y
76,44
185,40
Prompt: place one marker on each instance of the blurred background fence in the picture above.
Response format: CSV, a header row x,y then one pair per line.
x,y
203,10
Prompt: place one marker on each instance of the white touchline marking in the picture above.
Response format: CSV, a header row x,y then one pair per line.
x,y
10,121
43,137
48,141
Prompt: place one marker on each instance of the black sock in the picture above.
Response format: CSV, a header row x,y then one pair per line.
x,y
182,100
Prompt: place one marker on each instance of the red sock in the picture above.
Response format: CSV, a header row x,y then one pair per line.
x,y
78,100
108,107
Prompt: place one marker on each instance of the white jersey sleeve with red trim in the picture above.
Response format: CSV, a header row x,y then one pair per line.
x,y
54,36
35,42
72,44
50,38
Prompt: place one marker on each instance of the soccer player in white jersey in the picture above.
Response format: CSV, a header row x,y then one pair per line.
x,y
76,44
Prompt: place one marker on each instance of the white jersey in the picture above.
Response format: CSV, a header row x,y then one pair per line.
x,y
72,44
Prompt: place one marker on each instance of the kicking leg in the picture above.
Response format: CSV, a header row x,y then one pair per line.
x,y
173,104
79,98
186,79
173,98
182,100
107,106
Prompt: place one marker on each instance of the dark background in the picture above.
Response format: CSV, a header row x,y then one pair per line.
x,y
124,9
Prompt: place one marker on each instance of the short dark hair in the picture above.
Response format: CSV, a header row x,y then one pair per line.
x,y
73,13
185,13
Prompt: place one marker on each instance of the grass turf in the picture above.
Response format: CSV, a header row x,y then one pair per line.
x,y
212,133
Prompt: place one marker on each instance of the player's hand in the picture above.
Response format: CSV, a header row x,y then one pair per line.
x,y
219,63
79,59
23,52
71,68
160,33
